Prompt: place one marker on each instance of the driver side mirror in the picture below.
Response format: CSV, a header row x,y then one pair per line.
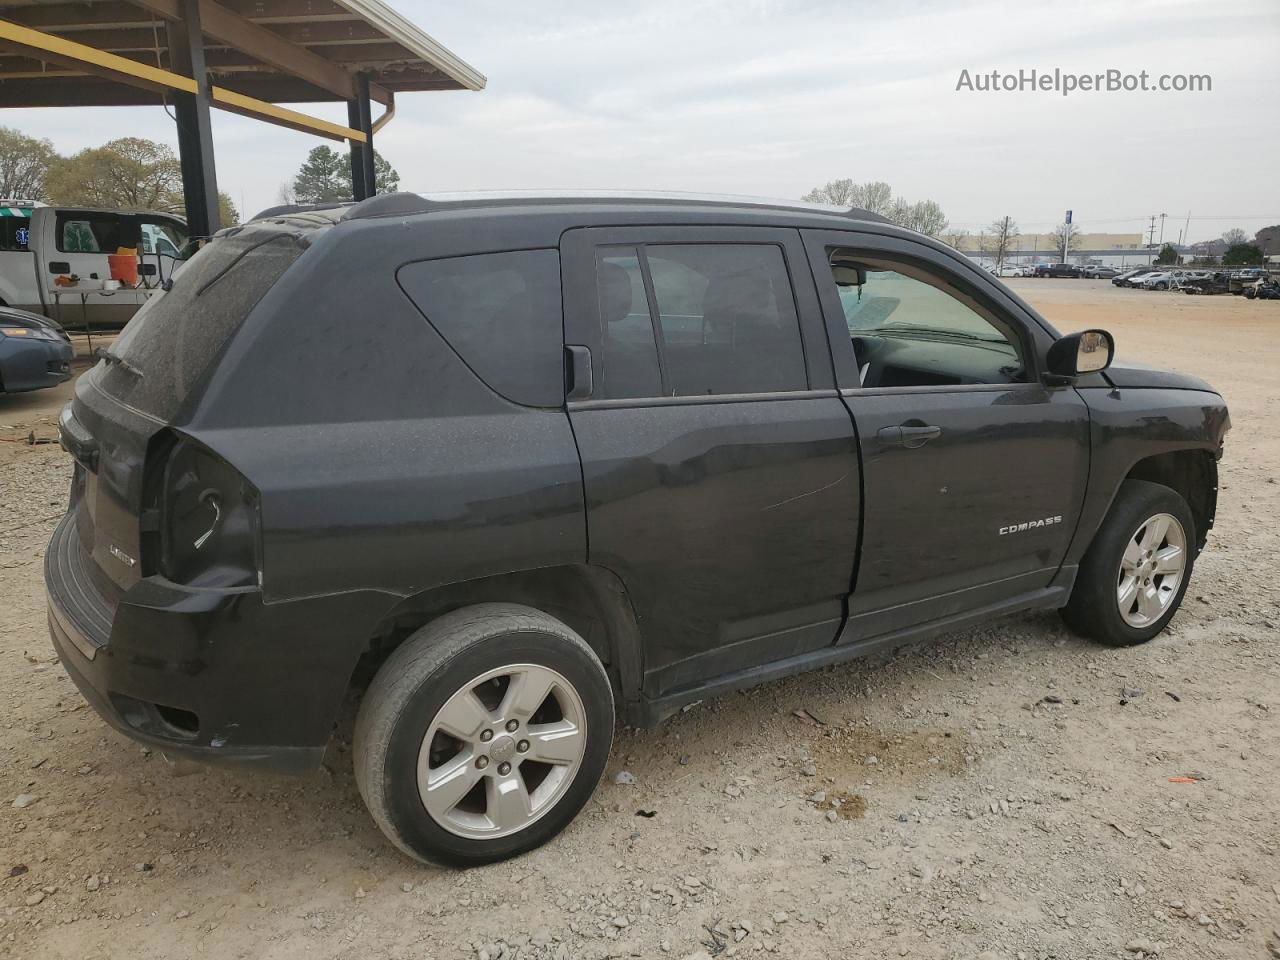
x,y
1079,353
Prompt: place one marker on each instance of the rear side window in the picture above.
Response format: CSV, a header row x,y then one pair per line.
x,y
722,320
174,340
501,313
89,233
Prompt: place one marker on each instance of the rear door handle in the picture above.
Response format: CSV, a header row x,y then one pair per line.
x,y
578,382
911,434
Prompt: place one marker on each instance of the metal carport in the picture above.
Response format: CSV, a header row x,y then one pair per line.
x,y
246,56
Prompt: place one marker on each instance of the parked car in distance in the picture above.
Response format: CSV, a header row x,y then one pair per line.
x,y
1207,283
1239,279
1096,272
34,352
604,454
1140,278
63,241
1122,279
1160,280
1057,270
1011,270
1264,288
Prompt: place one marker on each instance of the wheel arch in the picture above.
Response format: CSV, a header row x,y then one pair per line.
x,y
1193,474
590,599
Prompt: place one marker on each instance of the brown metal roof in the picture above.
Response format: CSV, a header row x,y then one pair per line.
x,y
279,51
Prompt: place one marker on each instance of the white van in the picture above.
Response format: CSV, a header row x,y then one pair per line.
x,y
39,244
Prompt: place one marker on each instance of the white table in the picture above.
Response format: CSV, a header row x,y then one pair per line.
x,y
83,289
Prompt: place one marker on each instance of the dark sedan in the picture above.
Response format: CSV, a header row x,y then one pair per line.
x,y
35,352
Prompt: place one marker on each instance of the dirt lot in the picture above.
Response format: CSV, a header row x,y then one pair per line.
x,y
992,794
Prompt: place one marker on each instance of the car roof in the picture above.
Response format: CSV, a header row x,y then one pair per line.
x,y
597,201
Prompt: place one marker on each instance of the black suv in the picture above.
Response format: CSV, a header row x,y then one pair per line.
x,y
532,462
1058,270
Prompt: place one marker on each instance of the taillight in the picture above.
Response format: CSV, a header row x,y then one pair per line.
x,y
207,520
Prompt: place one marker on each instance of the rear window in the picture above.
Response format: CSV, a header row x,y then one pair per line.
x,y
171,344
501,314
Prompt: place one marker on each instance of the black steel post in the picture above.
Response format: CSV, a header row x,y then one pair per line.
x,y
195,133
364,182
358,189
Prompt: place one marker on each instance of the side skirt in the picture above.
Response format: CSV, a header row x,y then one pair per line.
x,y
653,711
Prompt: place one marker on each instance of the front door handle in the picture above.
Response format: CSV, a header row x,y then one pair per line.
x,y
911,434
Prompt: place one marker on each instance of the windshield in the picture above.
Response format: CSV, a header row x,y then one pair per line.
x,y
172,343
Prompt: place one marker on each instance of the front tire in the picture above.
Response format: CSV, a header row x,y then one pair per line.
x,y
483,735
1135,573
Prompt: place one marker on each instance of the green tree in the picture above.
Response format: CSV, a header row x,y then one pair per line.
x,y
325,176
1168,254
385,177
24,164
1242,255
126,174
227,212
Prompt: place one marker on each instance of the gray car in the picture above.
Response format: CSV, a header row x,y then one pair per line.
x,y
35,352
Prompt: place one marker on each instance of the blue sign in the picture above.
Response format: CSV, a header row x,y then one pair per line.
x,y
1068,216
23,236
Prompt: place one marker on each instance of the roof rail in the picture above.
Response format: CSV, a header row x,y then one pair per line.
x,y
285,209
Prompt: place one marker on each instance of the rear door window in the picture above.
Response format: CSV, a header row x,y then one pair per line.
x,y
721,320
94,233
501,314
173,342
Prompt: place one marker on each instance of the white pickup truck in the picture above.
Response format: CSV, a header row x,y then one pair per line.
x,y
39,244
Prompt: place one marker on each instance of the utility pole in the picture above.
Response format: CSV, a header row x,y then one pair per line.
x,y
1151,238
1066,237
1162,216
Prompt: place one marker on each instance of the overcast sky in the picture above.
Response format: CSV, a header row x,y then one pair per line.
x,y
773,97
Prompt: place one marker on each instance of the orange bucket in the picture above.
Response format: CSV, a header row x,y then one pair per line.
x,y
123,268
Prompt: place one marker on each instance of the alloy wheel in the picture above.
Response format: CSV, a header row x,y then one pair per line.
x,y
1151,570
502,751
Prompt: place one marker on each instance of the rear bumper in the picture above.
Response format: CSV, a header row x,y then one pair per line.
x,y
216,676
27,363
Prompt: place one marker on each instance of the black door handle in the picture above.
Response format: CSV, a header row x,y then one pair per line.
x,y
577,372
911,434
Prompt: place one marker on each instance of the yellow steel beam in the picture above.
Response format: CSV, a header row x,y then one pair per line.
x,y
251,106
124,70
97,61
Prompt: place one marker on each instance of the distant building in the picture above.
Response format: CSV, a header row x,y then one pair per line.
x,y
1108,248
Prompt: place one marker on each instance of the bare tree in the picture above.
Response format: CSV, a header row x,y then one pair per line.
x,y
927,217
1003,234
838,193
955,239
1064,235
877,197
1235,235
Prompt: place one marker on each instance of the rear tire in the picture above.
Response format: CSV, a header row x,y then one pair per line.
x,y
483,735
1135,573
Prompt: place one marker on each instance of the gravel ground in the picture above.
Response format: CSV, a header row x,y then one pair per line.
x,y
1002,792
